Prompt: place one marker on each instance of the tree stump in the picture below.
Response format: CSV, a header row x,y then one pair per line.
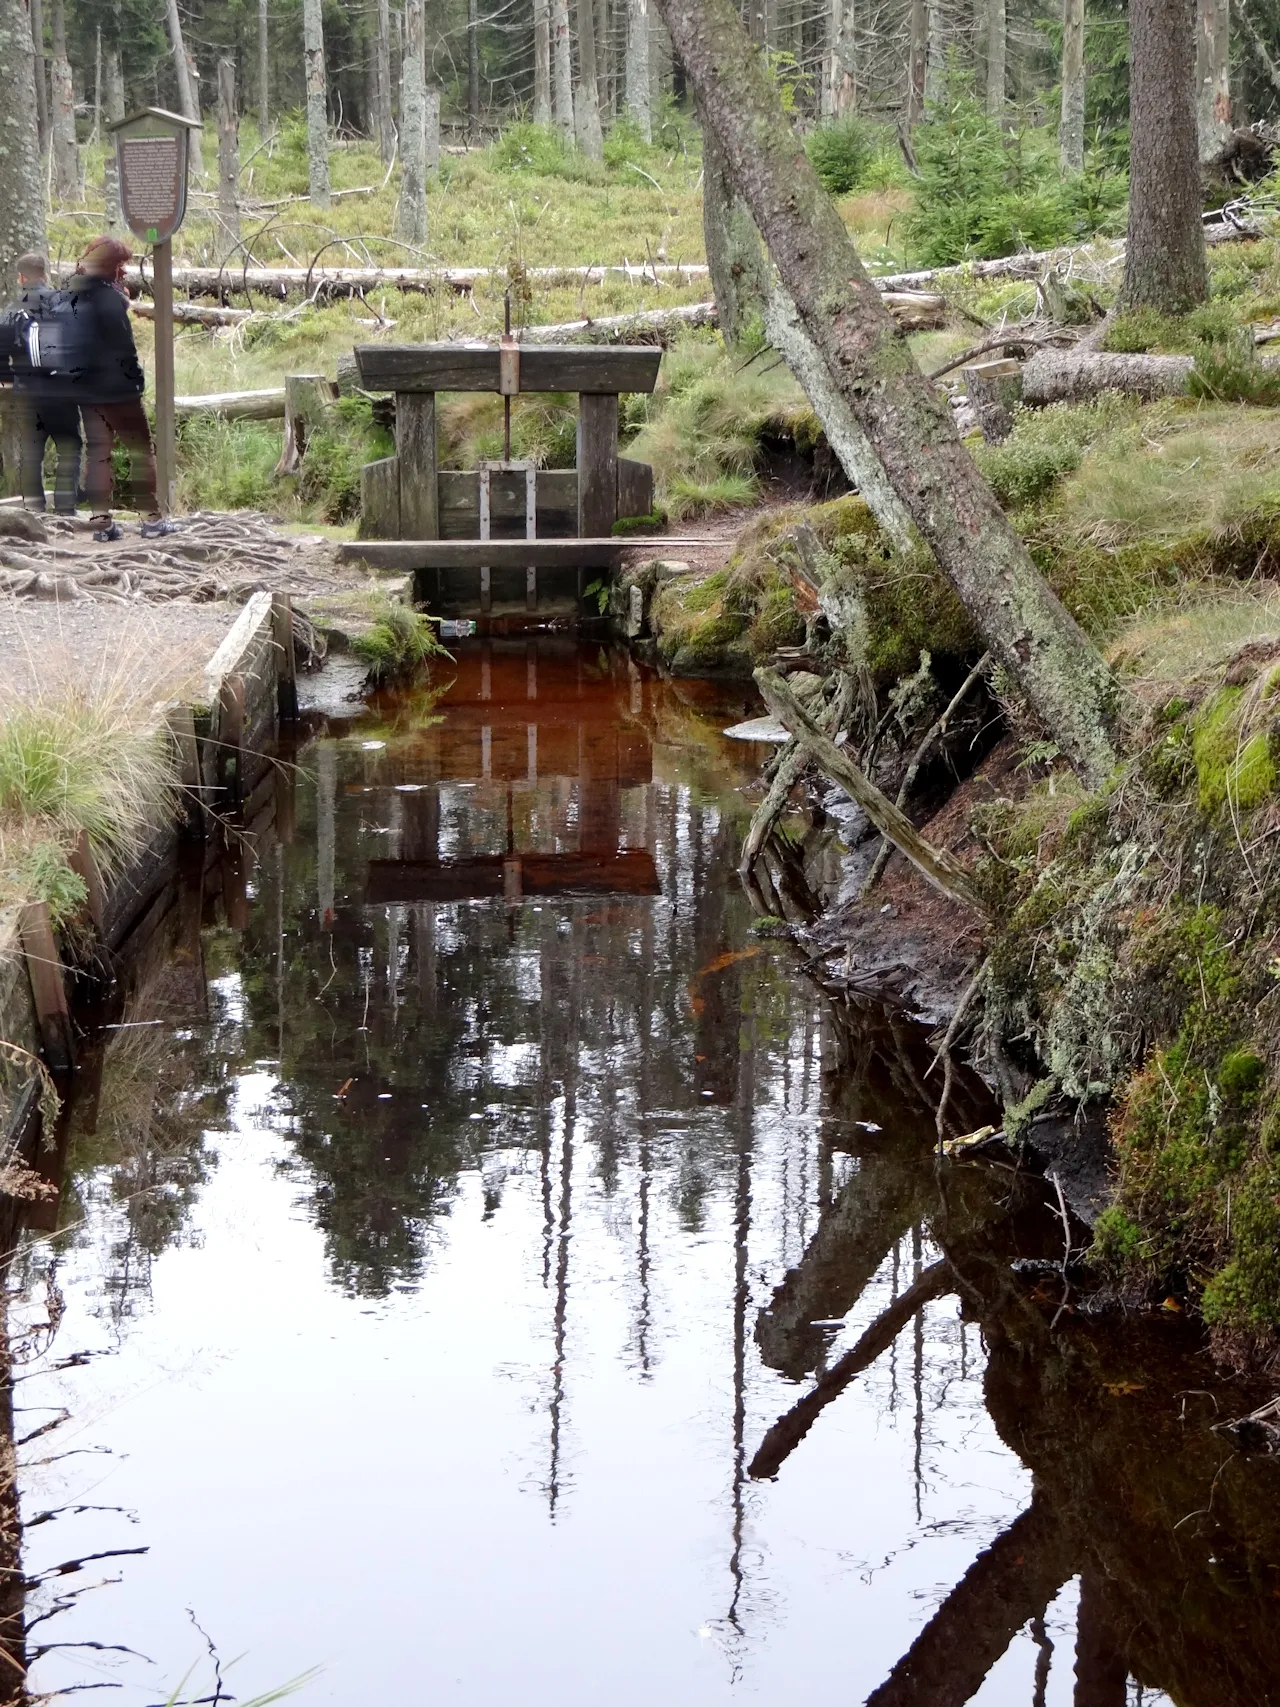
x,y
994,388
307,399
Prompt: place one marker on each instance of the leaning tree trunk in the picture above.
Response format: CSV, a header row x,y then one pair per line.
x,y
639,97
586,97
541,62
21,181
1213,76
997,40
935,51
382,51
1063,677
1071,127
188,84
561,69
66,152
736,259
228,151
411,210
317,102
113,93
1164,264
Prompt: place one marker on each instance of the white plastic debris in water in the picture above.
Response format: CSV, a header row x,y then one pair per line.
x,y
373,746
758,729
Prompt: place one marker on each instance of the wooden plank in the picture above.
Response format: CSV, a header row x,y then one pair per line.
x,y
285,657
230,739
416,450
405,555
635,488
48,988
182,731
407,368
85,866
597,463
556,499
235,644
380,499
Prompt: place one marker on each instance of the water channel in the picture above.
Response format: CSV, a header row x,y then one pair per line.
x,y
463,1194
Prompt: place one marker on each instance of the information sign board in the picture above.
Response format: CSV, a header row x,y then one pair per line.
x,y
151,153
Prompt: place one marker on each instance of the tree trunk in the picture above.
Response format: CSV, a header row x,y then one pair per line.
x,y
382,49
228,150
935,52
21,181
264,73
909,425
41,78
840,93
1259,47
431,131
561,69
317,103
541,62
66,153
1071,127
736,259
844,435
1065,376
96,134
1164,265
188,82
586,97
604,63
411,211
473,70
1213,75
997,39
639,99
113,79
917,57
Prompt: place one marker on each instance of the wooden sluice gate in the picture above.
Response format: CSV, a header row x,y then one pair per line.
x,y
507,538
515,747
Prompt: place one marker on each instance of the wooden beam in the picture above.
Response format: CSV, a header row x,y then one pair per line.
x,y
630,871
405,368
941,868
380,499
286,657
416,454
597,463
85,866
48,988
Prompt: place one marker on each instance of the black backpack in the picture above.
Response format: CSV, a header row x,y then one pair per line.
x,y
55,336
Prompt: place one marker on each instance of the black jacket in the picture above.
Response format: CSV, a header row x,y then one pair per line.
x,y
113,374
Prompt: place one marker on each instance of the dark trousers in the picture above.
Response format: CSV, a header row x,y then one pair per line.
x,y
41,421
104,423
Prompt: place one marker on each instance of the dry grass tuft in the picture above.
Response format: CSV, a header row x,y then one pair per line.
x,y
83,752
1191,643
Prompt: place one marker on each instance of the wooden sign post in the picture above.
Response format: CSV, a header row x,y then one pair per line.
x,y
151,157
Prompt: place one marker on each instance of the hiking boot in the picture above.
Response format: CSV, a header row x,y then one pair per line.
x,y
158,528
105,535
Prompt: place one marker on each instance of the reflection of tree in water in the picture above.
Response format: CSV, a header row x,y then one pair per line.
x,y
1173,1534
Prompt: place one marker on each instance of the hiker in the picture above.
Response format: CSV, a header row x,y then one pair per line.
x,y
110,386
44,395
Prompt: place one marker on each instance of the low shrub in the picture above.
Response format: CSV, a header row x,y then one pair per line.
x,y
842,152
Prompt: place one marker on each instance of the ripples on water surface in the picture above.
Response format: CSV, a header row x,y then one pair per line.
x,y
458,1236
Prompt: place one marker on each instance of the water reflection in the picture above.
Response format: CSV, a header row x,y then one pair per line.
x,y
514,1281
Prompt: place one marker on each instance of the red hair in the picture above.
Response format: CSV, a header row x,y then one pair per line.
x,y
104,257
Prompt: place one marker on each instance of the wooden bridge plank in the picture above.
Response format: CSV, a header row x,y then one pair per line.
x,y
408,368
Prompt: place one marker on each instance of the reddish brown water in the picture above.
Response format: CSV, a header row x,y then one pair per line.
x,y
486,1192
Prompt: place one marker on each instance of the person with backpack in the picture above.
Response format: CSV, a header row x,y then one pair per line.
x,y
109,384
43,388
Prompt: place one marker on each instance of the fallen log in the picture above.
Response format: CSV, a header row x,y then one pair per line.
x,y
352,281
191,314
831,720
233,405
1068,376
915,311
940,867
